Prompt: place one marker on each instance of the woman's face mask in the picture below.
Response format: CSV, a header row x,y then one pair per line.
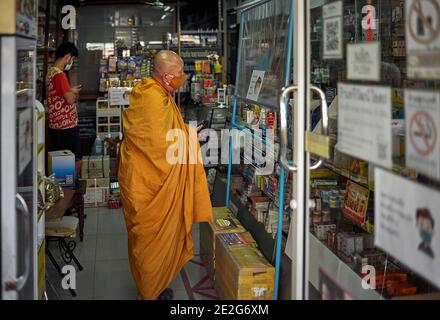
x,y
68,66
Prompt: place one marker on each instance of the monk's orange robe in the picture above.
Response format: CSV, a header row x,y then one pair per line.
x,y
161,201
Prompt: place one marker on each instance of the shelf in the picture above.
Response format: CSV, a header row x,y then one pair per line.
x,y
322,257
265,242
348,175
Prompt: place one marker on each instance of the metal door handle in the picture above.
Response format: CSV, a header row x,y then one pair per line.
x,y
283,124
324,123
20,281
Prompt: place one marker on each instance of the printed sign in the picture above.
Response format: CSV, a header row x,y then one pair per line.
x,y
318,144
422,110
423,38
119,96
364,122
407,223
363,61
255,85
356,202
332,30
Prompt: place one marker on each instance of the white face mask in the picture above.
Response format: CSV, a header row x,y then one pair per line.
x,y
68,66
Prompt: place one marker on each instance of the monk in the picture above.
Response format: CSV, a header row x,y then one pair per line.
x,y
161,198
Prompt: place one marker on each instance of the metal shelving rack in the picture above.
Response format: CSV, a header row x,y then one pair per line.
x,y
237,126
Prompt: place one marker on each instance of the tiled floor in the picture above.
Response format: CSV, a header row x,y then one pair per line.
x,y
106,274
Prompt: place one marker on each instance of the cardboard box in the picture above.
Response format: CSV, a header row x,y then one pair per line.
x,y
95,167
62,164
96,197
208,231
242,273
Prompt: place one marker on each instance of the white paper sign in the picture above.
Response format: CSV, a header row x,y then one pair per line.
x,y
332,30
422,26
333,9
363,61
119,96
422,112
255,85
24,139
364,122
407,223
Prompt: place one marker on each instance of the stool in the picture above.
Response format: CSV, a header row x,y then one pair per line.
x,y
60,231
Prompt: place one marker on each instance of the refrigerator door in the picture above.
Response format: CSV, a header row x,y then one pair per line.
x,y
17,168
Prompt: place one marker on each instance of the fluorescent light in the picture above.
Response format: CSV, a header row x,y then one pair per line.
x,y
167,8
155,42
163,17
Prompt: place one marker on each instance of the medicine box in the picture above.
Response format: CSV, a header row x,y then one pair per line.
x,y
62,164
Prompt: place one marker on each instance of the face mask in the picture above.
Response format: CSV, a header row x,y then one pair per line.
x,y
177,82
68,66
425,235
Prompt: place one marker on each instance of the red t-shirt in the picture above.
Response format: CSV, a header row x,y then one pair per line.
x,y
61,114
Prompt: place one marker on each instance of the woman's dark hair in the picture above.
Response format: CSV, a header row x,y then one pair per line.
x,y
66,48
425,214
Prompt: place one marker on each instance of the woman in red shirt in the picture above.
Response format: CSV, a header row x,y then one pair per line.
x,y
61,100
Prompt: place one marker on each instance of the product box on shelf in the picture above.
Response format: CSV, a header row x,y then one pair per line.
x,y
321,229
224,222
62,164
95,167
242,273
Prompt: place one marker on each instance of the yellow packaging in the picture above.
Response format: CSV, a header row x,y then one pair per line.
x,y
242,273
208,231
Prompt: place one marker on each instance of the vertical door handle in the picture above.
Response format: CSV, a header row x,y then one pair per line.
x,y
324,123
283,124
20,281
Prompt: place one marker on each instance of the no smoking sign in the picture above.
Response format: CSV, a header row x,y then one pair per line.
x,y
423,133
422,112
423,38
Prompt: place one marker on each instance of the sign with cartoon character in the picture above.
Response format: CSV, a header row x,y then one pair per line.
x,y
406,223
255,85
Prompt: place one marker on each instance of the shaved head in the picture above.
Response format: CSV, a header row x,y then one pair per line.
x,y
167,61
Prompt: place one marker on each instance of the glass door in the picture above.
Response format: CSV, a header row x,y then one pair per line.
x,y
371,203
18,188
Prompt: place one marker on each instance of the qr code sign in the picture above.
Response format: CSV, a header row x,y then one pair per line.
x,y
382,150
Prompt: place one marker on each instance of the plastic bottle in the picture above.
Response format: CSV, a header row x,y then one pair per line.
x,y
98,146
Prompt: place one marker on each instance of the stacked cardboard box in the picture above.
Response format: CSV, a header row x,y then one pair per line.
x,y
97,192
242,273
95,170
224,222
95,167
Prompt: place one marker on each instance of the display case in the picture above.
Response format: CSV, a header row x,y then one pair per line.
x,y
370,192
18,178
256,182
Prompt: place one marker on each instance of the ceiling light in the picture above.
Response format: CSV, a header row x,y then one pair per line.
x,y
167,8
163,17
